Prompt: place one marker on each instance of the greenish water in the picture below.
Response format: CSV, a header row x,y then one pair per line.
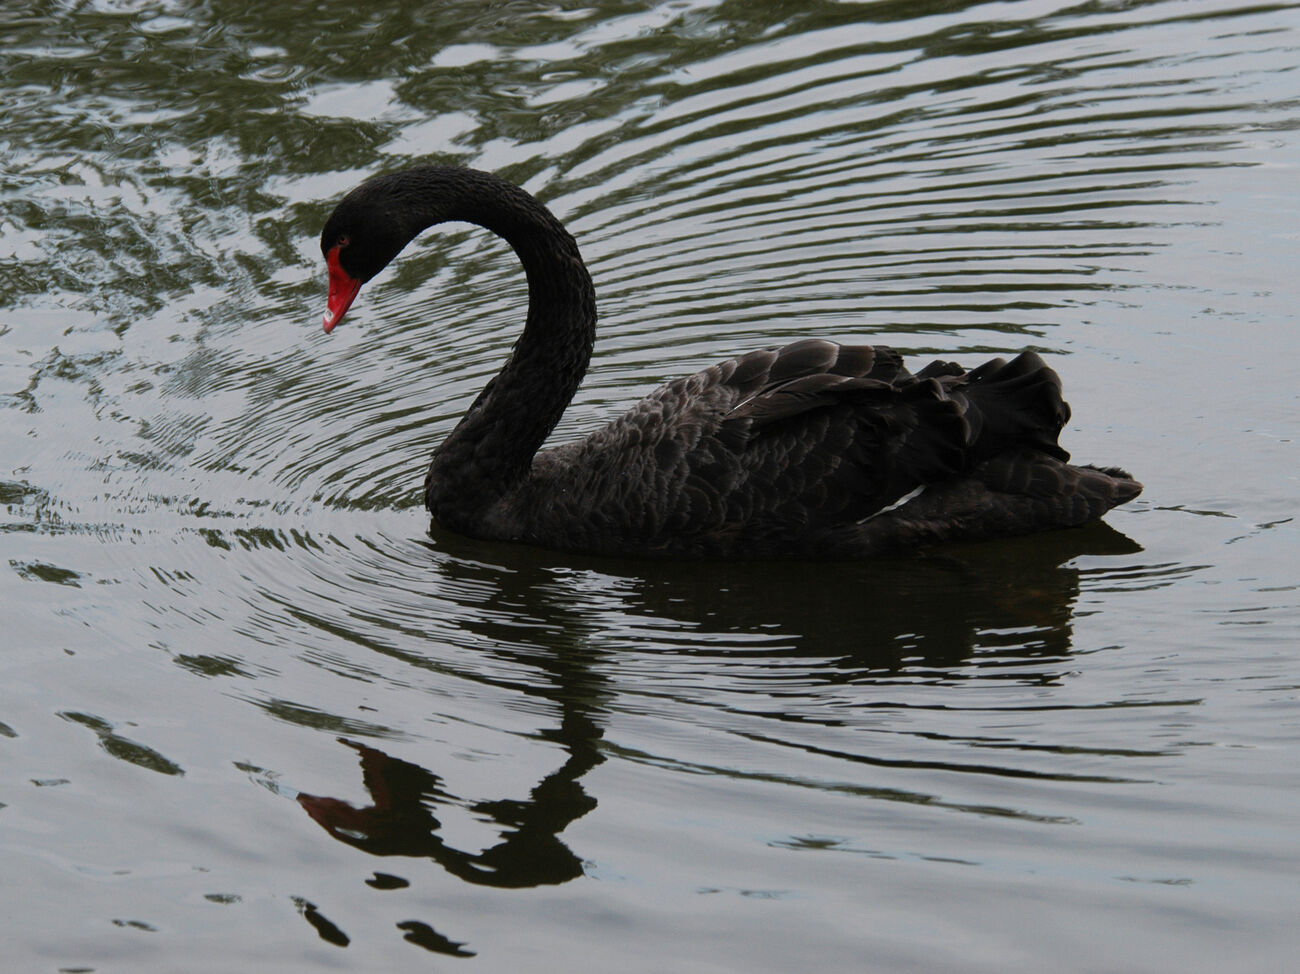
x,y
253,713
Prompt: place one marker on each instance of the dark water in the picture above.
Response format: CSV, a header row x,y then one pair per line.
x,y
253,715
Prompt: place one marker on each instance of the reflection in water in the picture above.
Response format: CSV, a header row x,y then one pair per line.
x,y
1012,598
327,929
400,821
1006,601
123,748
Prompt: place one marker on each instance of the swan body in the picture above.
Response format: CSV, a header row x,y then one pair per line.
x,y
812,450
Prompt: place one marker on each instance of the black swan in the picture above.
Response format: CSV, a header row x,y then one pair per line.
x,y
813,450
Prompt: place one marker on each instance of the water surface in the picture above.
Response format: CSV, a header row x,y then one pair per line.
x,y
253,710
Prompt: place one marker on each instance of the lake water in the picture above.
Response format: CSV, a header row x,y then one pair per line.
x,y
254,715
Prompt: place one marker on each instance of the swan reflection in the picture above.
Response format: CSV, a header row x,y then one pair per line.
x,y
564,629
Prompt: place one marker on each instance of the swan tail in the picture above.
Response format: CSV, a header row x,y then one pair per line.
x,y
1013,494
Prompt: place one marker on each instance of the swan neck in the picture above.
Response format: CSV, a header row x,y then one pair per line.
x,y
492,447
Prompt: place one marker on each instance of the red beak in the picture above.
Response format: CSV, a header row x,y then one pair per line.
x,y
343,290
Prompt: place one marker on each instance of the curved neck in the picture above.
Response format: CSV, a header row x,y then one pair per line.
x,y
493,445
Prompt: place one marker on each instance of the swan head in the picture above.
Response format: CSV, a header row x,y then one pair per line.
x,y
372,224
355,251
368,228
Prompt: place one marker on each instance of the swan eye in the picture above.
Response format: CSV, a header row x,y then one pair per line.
x,y
343,241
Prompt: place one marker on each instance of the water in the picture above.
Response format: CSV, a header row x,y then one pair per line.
x,y
253,712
